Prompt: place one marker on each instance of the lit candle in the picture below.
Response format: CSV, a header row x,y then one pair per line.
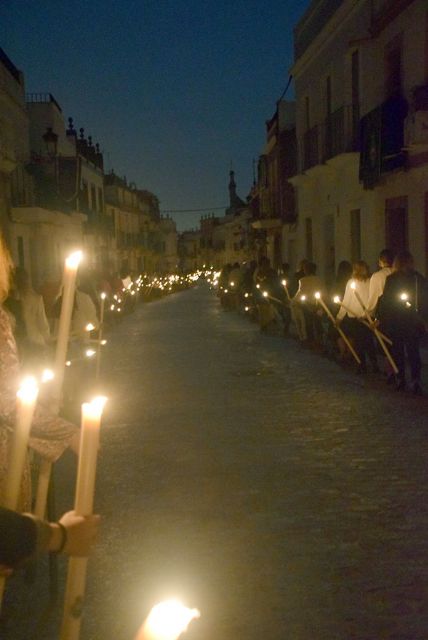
x,y
83,506
26,402
167,621
47,375
375,330
69,283
318,297
285,285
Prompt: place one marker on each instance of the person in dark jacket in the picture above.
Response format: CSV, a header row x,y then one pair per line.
x,y
23,535
403,314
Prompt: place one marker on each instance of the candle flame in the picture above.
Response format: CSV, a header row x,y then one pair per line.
x,y
232,284
68,363
265,294
89,327
353,285
73,260
95,408
336,299
103,342
317,295
103,295
89,353
247,308
47,375
257,286
284,283
245,295
404,296
302,298
168,620
28,391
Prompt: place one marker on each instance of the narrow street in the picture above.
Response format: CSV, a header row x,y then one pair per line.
x,y
284,497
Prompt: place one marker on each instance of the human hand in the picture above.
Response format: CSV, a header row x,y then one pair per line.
x,y
81,533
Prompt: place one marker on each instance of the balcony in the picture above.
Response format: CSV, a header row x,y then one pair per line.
x,y
340,132
310,148
382,140
99,223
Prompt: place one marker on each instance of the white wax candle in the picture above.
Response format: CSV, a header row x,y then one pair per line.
x,y
69,282
89,443
26,402
83,505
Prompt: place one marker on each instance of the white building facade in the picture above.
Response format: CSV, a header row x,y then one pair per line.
x,y
361,74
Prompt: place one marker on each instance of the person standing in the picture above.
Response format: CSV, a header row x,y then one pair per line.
x,y
403,314
378,279
352,314
50,435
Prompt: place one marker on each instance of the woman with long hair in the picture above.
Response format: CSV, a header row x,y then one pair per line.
x,y
352,313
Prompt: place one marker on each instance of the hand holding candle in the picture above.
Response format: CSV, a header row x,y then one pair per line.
x,y
375,330
26,402
83,506
318,297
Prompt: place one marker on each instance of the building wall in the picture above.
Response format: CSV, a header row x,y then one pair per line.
x,y
330,194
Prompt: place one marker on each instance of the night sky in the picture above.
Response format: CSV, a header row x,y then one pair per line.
x,y
173,91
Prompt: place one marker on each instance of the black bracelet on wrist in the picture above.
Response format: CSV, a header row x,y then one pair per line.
x,y
63,537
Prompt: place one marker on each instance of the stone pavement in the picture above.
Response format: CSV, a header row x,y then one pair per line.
x,y
282,496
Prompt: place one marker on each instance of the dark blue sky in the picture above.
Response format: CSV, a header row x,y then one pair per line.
x,y
172,90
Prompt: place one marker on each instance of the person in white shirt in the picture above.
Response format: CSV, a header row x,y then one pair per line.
x,y
378,279
352,312
303,307
33,314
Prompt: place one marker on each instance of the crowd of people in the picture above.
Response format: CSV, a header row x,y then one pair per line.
x,y
28,328
348,320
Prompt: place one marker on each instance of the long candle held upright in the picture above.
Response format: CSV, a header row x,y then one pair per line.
x,y
375,330
69,283
83,505
26,402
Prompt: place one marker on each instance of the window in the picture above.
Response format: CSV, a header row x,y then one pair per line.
x,y
328,95
93,198
307,114
355,97
393,67
308,237
396,226
355,235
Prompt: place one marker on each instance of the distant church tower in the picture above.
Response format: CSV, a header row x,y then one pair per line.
x,y
235,202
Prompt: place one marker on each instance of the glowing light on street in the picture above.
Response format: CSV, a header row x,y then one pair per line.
x,y
167,621
47,375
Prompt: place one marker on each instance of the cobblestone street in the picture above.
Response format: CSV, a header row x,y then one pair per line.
x,y
284,497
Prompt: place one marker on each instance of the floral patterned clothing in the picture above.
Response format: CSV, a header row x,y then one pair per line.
x,y
49,436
